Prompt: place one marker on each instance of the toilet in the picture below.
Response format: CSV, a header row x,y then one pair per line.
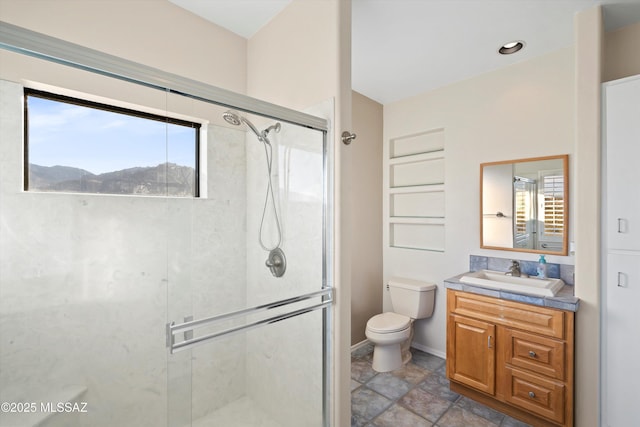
x,y
392,332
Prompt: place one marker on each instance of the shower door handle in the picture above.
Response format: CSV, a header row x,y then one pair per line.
x,y
299,305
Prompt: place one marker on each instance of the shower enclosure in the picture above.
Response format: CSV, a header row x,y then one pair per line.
x,y
138,310
524,207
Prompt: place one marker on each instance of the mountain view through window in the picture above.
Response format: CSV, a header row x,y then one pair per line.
x,y
84,147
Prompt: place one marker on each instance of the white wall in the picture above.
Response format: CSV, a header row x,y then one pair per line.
x,y
366,232
155,33
616,61
524,110
292,60
588,33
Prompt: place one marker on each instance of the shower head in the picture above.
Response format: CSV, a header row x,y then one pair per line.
x,y
236,119
232,118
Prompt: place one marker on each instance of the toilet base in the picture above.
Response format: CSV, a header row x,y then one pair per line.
x,y
405,351
387,358
406,347
394,356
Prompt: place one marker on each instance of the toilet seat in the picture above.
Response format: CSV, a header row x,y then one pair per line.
x,y
387,323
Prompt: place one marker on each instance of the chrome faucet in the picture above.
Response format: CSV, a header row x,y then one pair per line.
x,y
514,270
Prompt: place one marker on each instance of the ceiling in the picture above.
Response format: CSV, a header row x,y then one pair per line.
x,y
401,48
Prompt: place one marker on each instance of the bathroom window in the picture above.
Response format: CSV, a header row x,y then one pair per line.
x,y
553,204
79,146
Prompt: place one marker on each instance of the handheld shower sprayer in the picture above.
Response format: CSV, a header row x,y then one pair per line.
x,y
275,127
276,262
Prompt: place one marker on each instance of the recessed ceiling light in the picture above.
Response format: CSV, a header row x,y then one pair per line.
x,y
511,47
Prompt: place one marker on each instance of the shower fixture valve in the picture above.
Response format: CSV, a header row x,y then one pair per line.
x,y
276,262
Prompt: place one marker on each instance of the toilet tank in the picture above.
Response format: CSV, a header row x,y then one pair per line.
x,y
413,298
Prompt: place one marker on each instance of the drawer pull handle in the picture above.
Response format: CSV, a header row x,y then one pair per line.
x,y
622,281
532,353
532,394
489,341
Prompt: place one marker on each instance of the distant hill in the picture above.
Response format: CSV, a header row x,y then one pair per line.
x,y
164,179
39,175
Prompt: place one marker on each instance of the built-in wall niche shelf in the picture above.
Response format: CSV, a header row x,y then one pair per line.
x,y
423,142
426,234
417,201
417,169
416,191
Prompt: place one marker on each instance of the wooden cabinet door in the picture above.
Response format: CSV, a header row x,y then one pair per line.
x,y
622,134
471,353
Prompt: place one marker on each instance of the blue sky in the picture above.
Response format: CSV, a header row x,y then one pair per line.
x,y
102,141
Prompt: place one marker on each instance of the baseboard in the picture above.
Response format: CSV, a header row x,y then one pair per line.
x,y
416,345
359,345
429,350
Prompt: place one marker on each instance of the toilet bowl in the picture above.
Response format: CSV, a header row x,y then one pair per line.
x,y
388,331
392,332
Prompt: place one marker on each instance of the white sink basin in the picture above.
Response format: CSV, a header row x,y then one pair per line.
x,y
524,285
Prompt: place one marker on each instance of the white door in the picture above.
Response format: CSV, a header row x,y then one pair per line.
x,y
622,344
622,136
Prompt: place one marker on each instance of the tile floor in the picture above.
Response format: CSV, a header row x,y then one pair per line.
x,y
417,395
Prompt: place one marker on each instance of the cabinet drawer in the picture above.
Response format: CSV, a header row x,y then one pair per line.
x,y
540,320
538,354
533,393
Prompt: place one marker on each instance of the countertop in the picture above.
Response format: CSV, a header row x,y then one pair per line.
x,y
564,300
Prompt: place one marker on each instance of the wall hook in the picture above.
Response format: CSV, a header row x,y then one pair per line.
x,y
347,137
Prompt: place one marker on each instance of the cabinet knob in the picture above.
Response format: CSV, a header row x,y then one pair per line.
x,y
532,353
532,394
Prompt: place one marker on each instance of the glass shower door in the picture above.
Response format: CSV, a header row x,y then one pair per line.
x,y
83,288
247,342
154,311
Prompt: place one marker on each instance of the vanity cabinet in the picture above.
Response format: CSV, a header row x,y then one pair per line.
x,y
515,357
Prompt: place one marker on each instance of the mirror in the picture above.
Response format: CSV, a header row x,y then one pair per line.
x,y
524,205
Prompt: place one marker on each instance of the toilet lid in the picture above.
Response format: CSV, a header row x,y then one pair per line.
x,y
388,322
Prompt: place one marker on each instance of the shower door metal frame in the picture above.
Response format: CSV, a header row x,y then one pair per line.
x,y
30,43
